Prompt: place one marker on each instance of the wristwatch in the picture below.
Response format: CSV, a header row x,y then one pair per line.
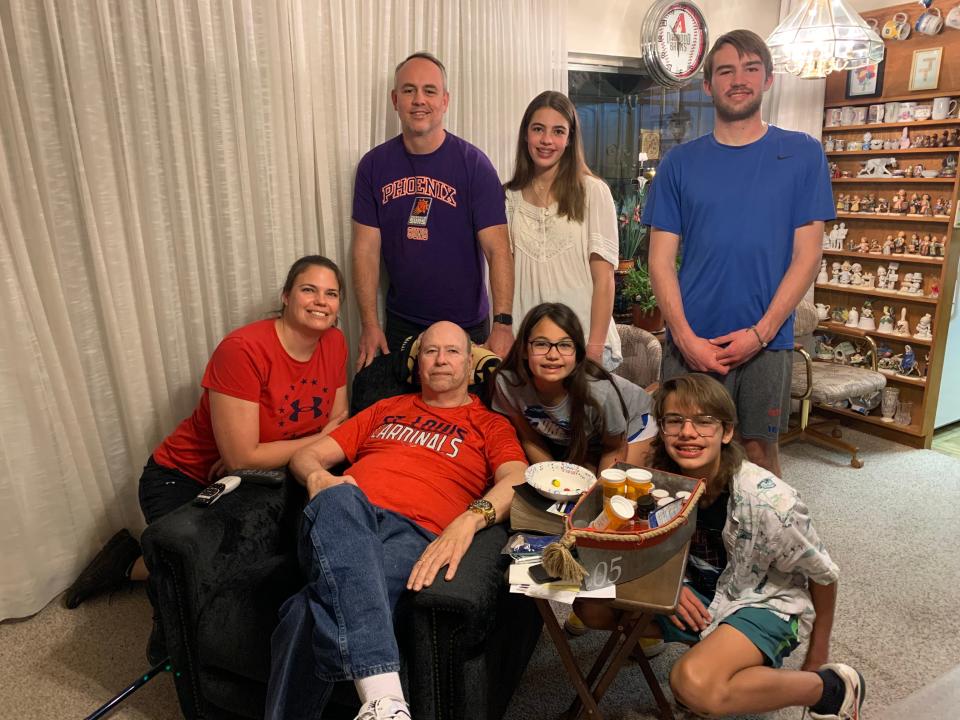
x,y
485,508
503,318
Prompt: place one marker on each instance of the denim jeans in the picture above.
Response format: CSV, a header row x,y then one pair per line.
x,y
356,558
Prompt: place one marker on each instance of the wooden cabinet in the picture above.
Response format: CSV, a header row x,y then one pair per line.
x,y
869,210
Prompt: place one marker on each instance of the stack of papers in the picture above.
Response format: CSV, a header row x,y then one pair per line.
x,y
522,583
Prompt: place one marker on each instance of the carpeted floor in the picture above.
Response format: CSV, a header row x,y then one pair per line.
x,y
892,528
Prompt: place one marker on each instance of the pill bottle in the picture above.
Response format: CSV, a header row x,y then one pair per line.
x,y
616,514
613,482
639,482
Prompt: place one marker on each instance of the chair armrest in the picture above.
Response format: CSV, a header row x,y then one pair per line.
x,y
470,599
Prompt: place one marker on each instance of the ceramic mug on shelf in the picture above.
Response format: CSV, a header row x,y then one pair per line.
x,y
860,115
953,18
832,116
876,113
930,22
897,27
847,115
891,111
944,107
922,112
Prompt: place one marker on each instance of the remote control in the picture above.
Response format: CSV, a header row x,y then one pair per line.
x,y
214,491
270,478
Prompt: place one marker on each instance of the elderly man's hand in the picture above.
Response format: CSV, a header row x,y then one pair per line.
x,y
322,480
500,340
447,549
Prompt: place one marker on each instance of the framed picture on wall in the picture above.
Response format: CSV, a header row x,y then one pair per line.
x,y
865,82
925,69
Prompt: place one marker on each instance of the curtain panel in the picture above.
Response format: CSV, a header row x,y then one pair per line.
x,y
162,163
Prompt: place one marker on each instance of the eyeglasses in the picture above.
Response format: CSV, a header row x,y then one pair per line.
x,y
705,425
542,347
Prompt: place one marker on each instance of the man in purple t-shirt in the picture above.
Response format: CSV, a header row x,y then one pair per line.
x,y
433,206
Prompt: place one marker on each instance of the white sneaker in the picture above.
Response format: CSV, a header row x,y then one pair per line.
x,y
385,708
855,690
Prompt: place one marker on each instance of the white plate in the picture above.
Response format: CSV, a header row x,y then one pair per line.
x,y
559,480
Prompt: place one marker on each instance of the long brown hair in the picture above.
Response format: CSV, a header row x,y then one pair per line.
x,y
575,383
709,397
568,186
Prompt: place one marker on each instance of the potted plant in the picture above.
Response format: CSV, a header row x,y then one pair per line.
x,y
632,233
639,292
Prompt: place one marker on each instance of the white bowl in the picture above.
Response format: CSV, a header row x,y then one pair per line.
x,y
559,480
929,173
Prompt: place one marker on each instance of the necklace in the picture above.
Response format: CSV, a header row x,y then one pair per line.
x,y
542,193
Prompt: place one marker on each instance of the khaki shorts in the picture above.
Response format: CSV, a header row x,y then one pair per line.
x,y
760,388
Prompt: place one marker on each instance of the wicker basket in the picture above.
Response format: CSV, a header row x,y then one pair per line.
x,y
612,558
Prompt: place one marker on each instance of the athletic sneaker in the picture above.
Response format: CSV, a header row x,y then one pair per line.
x,y
385,708
574,626
107,571
855,690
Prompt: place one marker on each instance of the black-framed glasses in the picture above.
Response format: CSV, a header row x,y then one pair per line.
x,y
705,425
542,347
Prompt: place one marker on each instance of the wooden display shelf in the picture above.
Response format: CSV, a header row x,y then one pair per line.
x,y
911,429
899,181
911,151
893,294
919,382
919,97
830,326
921,259
932,219
891,126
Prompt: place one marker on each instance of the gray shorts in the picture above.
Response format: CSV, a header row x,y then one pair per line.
x,y
760,388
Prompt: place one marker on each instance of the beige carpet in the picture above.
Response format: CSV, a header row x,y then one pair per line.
x,y
892,528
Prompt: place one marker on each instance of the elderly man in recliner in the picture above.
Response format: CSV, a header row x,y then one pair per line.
x,y
417,490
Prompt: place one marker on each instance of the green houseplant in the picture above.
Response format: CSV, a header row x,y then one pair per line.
x,y
638,291
632,232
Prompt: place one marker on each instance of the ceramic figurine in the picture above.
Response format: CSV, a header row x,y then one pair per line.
x,y
853,318
923,329
864,245
855,204
841,199
902,327
822,276
926,207
939,208
868,280
867,137
924,248
935,289
856,274
899,245
845,273
888,246
841,236
908,363
835,273
866,317
823,311
839,315
883,206
874,247
905,139
906,284
892,276
886,320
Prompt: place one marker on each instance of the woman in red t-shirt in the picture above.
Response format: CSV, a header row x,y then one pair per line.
x,y
270,388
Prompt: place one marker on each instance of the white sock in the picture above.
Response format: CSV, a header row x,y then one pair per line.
x,y
374,687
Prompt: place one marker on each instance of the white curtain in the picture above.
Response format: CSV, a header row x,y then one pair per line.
x,y
162,162
796,104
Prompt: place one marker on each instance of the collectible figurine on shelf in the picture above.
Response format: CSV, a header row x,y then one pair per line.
x,y
888,245
899,244
912,244
948,166
841,201
924,248
834,170
934,289
823,311
856,274
905,139
892,276
907,283
868,203
902,326
926,207
914,207
853,317
822,276
886,320
866,317
864,245
908,364
855,204
883,206
868,280
923,329
939,208
900,204
867,137
845,273
839,315
835,273
874,247
881,277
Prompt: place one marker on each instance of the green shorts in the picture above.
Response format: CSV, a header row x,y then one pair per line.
x,y
774,637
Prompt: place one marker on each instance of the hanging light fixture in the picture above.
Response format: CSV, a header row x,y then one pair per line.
x,y
823,36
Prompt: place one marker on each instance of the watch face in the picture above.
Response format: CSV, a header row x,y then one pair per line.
x,y
677,40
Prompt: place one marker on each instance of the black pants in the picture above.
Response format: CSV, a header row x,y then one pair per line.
x,y
399,329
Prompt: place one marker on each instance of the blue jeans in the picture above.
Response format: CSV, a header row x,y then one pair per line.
x,y
356,558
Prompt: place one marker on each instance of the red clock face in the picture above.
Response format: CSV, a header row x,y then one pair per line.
x,y
680,41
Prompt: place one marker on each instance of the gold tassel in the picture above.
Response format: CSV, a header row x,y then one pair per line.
x,y
559,561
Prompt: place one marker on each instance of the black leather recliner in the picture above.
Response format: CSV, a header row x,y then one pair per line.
x,y
220,574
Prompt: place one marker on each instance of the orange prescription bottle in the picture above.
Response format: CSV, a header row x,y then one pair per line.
x,y
616,513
